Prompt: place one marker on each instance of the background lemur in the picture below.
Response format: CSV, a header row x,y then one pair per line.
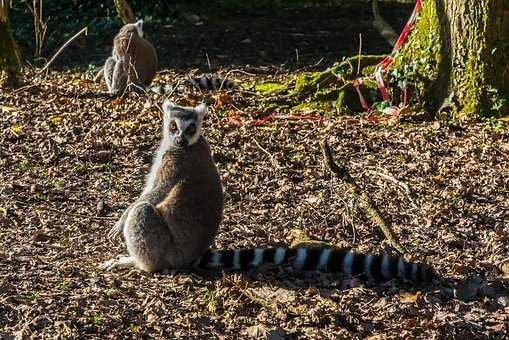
x,y
174,221
133,59
178,213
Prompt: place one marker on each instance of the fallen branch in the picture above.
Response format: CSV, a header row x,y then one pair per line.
x,y
84,29
66,213
382,26
365,201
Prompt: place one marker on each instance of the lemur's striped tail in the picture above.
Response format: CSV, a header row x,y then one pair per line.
x,y
211,83
206,83
334,260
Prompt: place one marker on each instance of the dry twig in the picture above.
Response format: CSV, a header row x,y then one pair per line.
x,y
84,29
364,200
271,157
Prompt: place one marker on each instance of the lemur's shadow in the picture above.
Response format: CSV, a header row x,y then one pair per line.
x,y
440,290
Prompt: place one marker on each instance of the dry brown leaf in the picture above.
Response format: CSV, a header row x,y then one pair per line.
x,y
222,99
8,108
504,267
407,297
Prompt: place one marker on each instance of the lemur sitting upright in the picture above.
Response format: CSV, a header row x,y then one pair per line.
x,y
133,60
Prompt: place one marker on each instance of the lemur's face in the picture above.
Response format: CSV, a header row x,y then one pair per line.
x,y
183,124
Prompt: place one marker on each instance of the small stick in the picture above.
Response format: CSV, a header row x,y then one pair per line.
x,y
360,52
84,29
272,159
365,201
208,61
23,88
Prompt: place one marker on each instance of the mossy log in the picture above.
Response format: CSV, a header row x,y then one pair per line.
x,y
336,76
330,90
456,57
10,61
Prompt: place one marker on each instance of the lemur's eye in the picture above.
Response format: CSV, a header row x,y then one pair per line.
x,y
191,129
173,127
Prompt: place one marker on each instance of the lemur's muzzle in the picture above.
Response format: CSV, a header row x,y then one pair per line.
x,y
182,141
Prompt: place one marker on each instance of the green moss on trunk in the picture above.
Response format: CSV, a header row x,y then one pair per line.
x,y
458,64
420,62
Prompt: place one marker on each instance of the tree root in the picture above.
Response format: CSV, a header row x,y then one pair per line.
x,y
330,89
365,201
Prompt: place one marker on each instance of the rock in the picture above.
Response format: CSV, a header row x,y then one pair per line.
x,y
503,300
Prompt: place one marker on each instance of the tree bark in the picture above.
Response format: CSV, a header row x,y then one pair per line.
x,y
457,57
10,61
124,11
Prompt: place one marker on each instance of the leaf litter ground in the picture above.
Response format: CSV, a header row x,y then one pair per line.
x,y
72,159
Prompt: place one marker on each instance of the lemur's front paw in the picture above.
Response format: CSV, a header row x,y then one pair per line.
x,y
108,265
119,261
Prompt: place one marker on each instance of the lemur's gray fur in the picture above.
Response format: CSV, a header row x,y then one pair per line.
x,y
133,60
177,216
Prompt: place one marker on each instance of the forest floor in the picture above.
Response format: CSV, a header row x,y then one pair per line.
x,y
72,158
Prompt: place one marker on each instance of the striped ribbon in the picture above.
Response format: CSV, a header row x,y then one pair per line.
x,y
387,62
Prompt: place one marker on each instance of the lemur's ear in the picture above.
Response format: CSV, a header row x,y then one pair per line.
x,y
139,27
201,110
168,106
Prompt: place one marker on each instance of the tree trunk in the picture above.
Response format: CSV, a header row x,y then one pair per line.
x,y
457,57
124,11
10,61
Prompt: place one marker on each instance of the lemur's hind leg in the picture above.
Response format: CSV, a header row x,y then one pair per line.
x,y
115,76
108,68
147,237
119,79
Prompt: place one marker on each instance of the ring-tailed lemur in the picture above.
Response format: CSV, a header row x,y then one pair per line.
x,y
176,217
174,221
133,60
205,83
